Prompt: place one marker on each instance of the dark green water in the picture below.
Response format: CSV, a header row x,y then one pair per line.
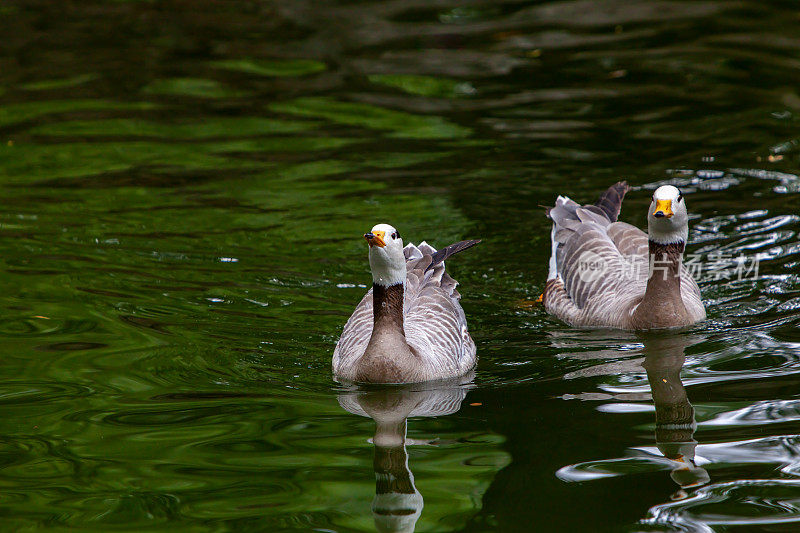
x,y
183,186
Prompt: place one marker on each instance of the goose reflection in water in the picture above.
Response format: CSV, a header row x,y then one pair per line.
x,y
398,504
675,420
662,357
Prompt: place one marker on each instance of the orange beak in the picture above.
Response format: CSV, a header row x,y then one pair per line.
x,y
663,209
376,238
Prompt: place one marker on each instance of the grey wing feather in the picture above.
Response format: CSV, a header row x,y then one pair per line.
x,y
592,265
691,296
629,240
447,251
355,336
610,202
435,323
593,255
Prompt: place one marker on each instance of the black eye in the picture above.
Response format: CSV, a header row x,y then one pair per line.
x,y
395,235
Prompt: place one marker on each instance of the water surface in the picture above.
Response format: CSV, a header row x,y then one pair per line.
x,y
182,191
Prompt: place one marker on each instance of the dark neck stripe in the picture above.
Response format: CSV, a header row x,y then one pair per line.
x,y
669,248
665,269
666,258
387,304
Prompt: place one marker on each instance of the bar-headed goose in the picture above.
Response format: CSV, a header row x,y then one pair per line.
x,y
605,273
410,326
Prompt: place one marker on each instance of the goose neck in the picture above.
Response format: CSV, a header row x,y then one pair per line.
x,y
662,304
387,305
665,265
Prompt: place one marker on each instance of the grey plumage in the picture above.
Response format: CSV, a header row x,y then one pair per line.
x,y
447,251
610,202
434,323
600,271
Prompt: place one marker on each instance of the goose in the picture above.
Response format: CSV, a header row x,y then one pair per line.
x,y
409,327
605,273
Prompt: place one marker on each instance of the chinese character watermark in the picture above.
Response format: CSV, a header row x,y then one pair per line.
x,y
715,266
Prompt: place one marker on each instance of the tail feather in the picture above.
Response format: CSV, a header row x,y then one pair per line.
x,y
569,217
447,251
610,202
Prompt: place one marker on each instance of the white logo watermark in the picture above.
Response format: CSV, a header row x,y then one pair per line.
x,y
591,266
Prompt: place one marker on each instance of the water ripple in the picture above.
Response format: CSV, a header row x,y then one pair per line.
x,y
751,502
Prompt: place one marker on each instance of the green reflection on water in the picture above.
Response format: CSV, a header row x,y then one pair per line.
x,y
20,112
25,162
278,68
128,316
425,85
356,114
30,163
210,127
195,87
61,83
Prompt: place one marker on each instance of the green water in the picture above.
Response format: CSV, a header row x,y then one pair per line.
x,y
183,187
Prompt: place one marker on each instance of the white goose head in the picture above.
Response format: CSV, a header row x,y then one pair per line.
x,y
667,219
386,258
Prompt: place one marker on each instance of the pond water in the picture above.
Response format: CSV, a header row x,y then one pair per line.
x,y
183,190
